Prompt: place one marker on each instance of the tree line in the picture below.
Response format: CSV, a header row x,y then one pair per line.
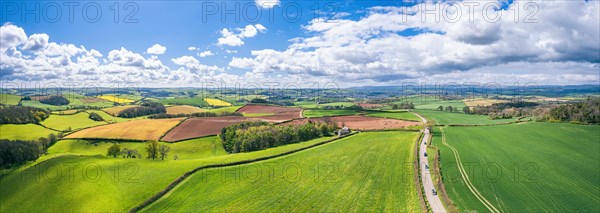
x,y
196,114
585,112
147,108
154,150
56,100
15,152
22,114
252,136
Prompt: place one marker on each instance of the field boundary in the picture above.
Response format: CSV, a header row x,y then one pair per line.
x,y
179,180
171,129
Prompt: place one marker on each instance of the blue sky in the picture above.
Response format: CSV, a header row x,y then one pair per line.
x,y
361,43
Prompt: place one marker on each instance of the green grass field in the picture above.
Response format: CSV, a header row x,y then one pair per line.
x,y
75,121
185,150
531,167
445,118
197,101
112,119
313,113
395,115
23,131
44,106
101,183
313,104
366,172
430,102
9,99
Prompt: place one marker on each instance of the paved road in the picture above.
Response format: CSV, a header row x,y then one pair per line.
x,y
434,201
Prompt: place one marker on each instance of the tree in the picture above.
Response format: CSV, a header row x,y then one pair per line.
x,y
95,116
440,108
114,150
130,153
449,109
163,150
152,149
395,106
466,110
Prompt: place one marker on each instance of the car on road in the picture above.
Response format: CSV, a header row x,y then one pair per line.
x,y
425,154
426,167
433,192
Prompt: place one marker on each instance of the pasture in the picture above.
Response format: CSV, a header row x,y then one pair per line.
x,y
43,106
24,131
315,104
314,113
367,172
73,121
447,118
529,167
9,99
195,101
183,109
216,102
101,183
110,118
147,129
430,102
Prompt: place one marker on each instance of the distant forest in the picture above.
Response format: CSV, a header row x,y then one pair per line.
x,y
22,114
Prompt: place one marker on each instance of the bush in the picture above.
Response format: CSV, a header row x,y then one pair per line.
x,y
95,116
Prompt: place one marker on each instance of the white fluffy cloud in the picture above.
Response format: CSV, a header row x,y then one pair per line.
x,y
267,3
205,53
235,37
156,49
37,59
390,45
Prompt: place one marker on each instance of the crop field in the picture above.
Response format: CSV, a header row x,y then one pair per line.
x,y
116,99
225,109
117,109
404,115
196,101
24,131
445,118
183,109
101,183
314,113
202,126
530,167
217,102
9,99
366,172
481,102
74,121
271,113
148,129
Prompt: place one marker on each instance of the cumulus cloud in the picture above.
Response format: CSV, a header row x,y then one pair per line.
x,y
267,3
205,53
156,49
374,49
235,37
192,48
37,59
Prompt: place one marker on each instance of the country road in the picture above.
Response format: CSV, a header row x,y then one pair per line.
x,y
434,201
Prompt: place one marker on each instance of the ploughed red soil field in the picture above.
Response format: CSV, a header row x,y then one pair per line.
x,y
271,113
358,122
200,127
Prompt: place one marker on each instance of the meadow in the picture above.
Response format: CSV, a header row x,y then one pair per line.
x,y
314,113
528,167
9,99
110,118
447,118
429,102
73,122
105,184
195,101
24,131
313,104
371,171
